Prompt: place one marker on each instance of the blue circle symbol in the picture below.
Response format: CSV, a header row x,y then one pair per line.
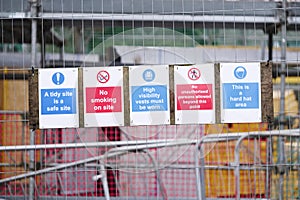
x,y
240,72
148,75
58,78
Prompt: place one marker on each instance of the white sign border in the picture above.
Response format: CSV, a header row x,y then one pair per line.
x,y
253,76
207,77
136,79
45,82
115,80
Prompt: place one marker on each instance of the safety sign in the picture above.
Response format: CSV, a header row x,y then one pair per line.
x,y
149,95
103,96
240,92
194,94
58,98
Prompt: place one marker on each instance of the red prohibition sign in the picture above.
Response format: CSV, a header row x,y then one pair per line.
x,y
103,76
194,74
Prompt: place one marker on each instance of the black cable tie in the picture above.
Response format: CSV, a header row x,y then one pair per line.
x,y
32,71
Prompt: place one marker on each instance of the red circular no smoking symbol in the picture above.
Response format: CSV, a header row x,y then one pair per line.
x,y
103,76
194,74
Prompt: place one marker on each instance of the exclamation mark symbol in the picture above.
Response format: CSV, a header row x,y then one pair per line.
x,y
57,77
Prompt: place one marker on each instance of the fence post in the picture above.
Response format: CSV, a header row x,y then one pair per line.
x,y
281,157
34,13
200,173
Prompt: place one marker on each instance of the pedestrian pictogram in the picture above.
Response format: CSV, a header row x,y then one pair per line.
x,y
194,74
194,94
103,76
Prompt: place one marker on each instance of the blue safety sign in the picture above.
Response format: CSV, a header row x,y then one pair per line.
x,y
148,75
149,98
240,92
240,72
240,95
58,98
58,101
58,78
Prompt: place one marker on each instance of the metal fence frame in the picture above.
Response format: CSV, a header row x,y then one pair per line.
x,y
142,145
123,148
238,137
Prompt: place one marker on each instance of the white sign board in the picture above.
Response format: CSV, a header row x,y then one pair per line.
x,y
240,92
149,95
58,98
194,94
103,96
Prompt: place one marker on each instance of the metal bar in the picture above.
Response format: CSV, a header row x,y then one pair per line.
x,y
12,112
209,138
121,150
34,13
200,173
111,153
9,165
237,166
206,139
283,19
59,167
270,46
153,145
5,121
158,177
173,166
23,142
86,145
268,167
281,156
104,182
298,168
261,20
216,167
14,76
199,177
31,166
